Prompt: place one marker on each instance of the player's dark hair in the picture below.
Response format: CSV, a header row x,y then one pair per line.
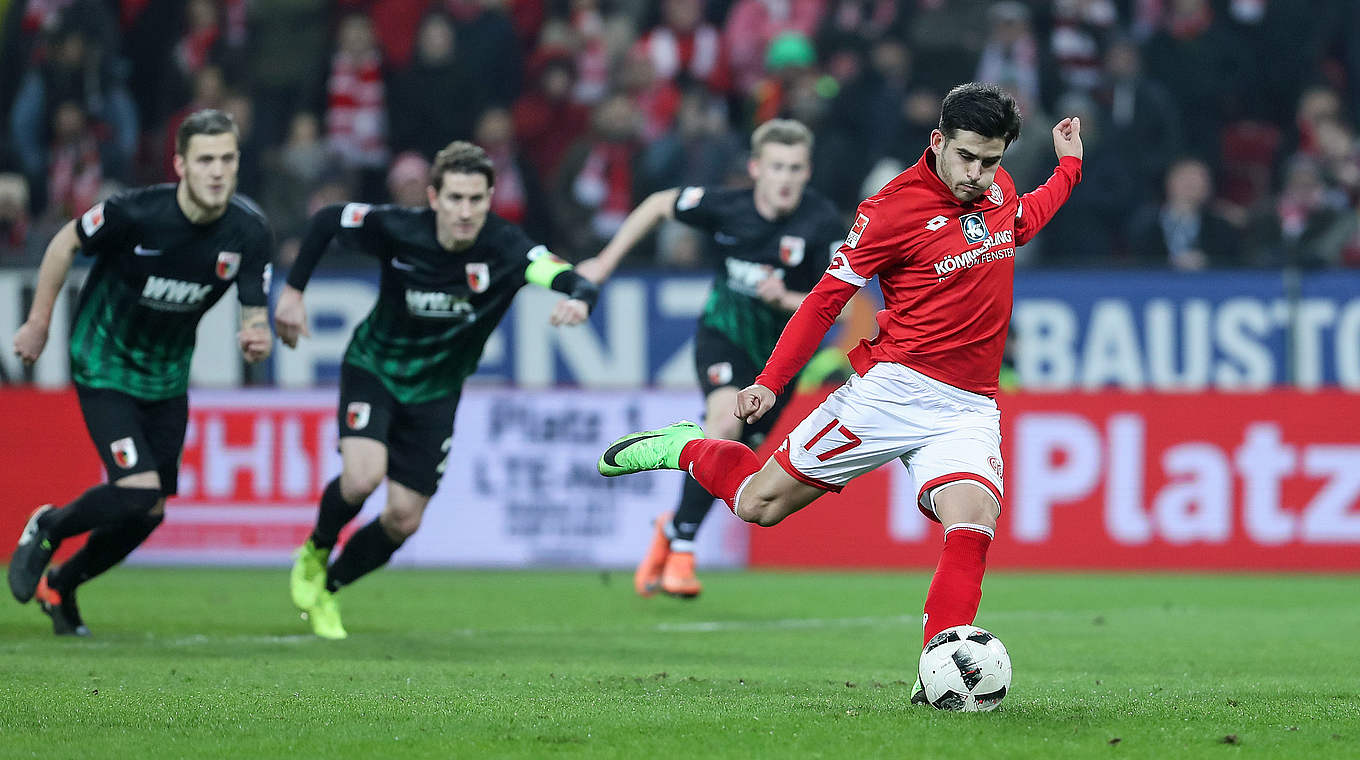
x,y
209,121
984,109
461,157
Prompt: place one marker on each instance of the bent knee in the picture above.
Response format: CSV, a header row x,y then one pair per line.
x,y
762,512
357,485
400,525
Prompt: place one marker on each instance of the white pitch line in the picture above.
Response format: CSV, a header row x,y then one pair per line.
x,y
698,626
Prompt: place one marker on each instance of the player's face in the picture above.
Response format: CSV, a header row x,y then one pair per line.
x,y
460,207
967,162
780,172
208,169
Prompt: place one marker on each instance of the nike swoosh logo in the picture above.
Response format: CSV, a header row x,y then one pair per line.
x,y
402,265
614,450
140,251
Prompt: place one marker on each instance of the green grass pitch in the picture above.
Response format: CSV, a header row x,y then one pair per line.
x,y
214,663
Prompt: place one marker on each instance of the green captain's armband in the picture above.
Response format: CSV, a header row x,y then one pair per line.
x,y
543,267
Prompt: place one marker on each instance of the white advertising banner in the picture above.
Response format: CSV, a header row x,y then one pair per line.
x,y
520,488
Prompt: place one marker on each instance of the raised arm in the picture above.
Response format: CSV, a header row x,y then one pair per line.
x,y
658,207
56,264
1039,205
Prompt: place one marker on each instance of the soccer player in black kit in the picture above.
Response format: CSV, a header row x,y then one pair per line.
x,y
163,255
770,244
449,273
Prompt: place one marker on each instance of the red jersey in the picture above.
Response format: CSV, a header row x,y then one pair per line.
x,y
946,268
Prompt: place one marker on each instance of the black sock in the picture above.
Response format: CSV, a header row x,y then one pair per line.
x,y
367,550
694,505
102,505
107,546
334,515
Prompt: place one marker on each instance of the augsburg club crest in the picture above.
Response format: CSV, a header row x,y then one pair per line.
x,y
791,250
124,452
479,276
356,415
228,262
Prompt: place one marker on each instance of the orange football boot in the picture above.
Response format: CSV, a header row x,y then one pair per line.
x,y
61,608
648,574
677,577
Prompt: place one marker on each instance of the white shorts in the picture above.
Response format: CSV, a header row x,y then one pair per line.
x,y
943,434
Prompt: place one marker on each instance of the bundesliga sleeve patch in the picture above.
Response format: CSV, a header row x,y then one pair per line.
x,y
689,198
93,219
353,214
861,224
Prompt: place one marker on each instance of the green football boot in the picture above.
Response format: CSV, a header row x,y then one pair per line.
x,y
308,578
325,617
648,450
918,693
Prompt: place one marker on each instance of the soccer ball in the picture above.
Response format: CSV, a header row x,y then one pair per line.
x,y
965,668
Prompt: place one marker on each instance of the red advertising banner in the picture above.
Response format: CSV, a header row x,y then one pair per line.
x,y
1208,481
253,467
1205,481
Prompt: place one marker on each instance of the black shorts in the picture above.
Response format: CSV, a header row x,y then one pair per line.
x,y
417,436
133,435
720,363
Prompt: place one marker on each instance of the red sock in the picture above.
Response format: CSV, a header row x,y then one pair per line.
x,y
719,466
956,589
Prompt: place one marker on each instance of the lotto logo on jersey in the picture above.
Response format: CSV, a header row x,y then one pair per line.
x,y
791,250
356,415
228,262
479,276
995,194
720,373
93,219
857,230
124,453
974,228
352,215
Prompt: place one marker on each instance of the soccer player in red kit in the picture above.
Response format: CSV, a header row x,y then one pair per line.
x,y
941,238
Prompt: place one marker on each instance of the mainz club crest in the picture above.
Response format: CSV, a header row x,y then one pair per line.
x,y
124,452
228,262
356,415
479,277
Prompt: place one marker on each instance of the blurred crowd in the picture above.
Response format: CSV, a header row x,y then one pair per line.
x,y
1219,133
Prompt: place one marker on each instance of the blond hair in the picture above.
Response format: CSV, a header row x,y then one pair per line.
x,y
782,132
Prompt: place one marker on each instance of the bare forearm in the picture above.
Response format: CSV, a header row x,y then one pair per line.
x,y
253,317
658,206
791,300
56,264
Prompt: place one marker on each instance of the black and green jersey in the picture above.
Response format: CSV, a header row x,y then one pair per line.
x,y
436,307
746,248
155,274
